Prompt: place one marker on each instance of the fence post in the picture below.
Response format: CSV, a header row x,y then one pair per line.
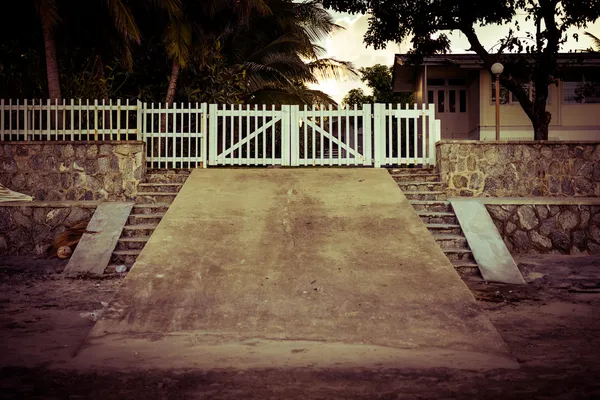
x,y
204,130
285,136
2,119
367,136
432,137
25,131
378,135
294,136
212,134
140,117
438,136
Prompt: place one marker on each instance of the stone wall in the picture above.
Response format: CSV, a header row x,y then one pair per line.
x,y
556,228
30,230
519,169
73,170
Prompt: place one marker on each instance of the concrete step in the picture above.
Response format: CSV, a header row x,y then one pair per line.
x,y
416,178
440,195
149,197
138,230
160,187
141,219
126,257
413,171
166,177
431,205
459,254
438,217
450,241
150,208
132,243
467,268
449,229
421,186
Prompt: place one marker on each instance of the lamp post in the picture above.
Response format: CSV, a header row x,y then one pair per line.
x,y
497,69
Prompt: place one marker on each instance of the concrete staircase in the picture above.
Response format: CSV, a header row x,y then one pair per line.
x,y
423,189
155,195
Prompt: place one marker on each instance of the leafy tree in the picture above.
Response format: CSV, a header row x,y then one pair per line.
x,y
193,24
49,16
356,97
429,20
379,79
280,55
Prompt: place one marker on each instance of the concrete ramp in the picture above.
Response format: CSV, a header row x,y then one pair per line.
x,y
282,268
92,254
493,258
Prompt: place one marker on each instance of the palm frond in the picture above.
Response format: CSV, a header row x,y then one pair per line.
x,y
48,12
331,68
178,41
595,40
174,8
124,20
288,95
316,21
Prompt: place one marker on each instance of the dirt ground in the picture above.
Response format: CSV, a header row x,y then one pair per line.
x,y
551,326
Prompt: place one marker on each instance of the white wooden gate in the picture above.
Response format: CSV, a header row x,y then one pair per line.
x,y
405,136
187,136
330,136
175,136
249,135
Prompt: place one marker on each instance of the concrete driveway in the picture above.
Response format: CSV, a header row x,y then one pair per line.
x,y
255,268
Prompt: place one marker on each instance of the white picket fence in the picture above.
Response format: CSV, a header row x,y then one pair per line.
x,y
193,135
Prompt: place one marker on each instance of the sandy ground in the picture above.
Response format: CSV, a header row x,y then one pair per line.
x,y
551,326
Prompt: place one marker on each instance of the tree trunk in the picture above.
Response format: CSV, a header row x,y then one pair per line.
x,y
175,69
99,72
173,83
51,63
540,126
540,118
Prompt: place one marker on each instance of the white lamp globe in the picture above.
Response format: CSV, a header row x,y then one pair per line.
x,y
497,68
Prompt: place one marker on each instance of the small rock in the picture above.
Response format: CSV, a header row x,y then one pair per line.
x,y
527,218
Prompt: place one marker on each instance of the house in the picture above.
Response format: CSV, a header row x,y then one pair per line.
x,y
462,91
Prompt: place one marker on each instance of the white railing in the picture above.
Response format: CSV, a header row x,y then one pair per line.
x,y
193,135
62,120
248,135
330,136
406,136
175,136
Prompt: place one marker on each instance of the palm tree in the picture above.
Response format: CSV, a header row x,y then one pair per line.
x,y
280,54
194,25
48,13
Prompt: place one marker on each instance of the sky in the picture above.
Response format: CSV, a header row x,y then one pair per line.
x,y
348,45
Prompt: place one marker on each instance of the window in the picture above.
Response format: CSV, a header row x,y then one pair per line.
x,y
507,97
581,92
504,94
452,101
440,101
436,82
457,82
462,100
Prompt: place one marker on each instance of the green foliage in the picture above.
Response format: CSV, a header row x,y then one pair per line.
x,y
379,79
229,51
357,97
216,82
